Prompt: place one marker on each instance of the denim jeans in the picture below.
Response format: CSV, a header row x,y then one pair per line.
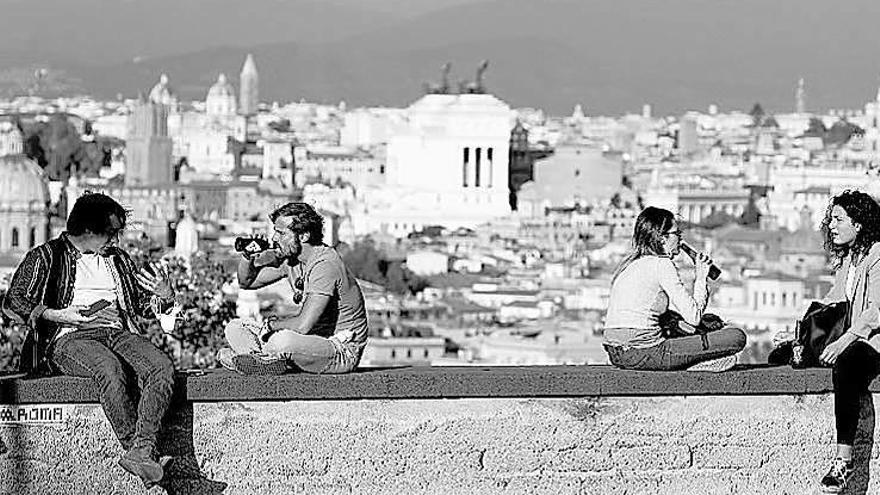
x,y
309,353
679,352
854,370
134,378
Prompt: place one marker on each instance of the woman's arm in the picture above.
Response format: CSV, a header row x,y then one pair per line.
x,y
690,307
865,322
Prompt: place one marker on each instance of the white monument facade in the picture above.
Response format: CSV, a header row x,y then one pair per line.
x,y
448,165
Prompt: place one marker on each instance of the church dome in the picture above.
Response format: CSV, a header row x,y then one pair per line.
x,y
162,93
22,184
221,98
221,89
11,139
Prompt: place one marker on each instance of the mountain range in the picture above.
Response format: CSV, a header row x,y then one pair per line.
x,y
611,56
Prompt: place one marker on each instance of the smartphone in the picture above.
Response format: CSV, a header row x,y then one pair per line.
x,y
714,271
95,307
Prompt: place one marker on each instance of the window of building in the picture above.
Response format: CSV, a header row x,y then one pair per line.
x,y
490,157
14,237
426,353
393,353
409,353
477,166
466,156
32,237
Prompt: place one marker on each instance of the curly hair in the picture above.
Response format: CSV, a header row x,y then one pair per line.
x,y
305,219
651,224
863,210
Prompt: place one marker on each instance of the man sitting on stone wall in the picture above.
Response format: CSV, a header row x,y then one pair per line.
x,y
329,331
78,294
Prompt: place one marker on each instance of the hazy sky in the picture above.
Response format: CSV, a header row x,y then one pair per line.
x,y
609,55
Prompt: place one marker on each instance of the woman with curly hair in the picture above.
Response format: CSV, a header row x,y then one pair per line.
x,y
852,230
644,286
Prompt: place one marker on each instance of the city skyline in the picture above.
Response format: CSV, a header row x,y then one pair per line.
x,y
611,59
501,215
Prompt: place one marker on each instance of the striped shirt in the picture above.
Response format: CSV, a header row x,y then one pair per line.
x,y
46,279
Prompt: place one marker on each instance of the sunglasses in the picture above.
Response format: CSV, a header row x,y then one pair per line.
x,y
298,287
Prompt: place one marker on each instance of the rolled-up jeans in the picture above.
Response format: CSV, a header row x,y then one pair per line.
x,y
309,353
135,379
678,352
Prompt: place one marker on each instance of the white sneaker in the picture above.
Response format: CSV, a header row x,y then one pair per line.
x,y
224,357
715,365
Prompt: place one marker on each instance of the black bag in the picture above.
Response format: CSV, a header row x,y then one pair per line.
x,y
671,324
821,325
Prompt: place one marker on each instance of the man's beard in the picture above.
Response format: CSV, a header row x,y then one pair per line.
x,y
295,250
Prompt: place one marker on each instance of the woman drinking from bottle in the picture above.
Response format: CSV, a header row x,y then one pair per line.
x,y
644,286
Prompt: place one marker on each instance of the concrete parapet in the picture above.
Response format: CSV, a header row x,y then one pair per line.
x,y
451,382
672,444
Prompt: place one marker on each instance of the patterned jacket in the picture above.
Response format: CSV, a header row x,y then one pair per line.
x,y
45,279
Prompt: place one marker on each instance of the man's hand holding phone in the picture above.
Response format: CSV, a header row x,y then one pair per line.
x,y
96,306
71,315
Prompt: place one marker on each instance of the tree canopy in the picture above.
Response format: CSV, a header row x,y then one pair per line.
x,y
368,263
717,219
58,148
205,310
841,132
816,128
757,113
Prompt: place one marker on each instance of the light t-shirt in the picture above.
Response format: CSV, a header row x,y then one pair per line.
x,y
94,281
851,282
345,315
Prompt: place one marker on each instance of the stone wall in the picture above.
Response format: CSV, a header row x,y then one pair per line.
x,y
751,444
